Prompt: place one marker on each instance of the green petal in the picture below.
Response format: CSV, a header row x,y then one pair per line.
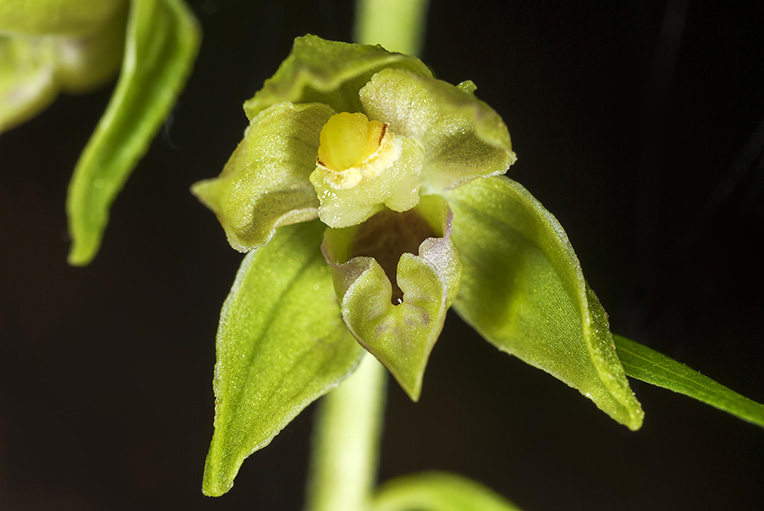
x,y
400,336
648,365
463,137
397,188
55,17
265,182
27,79
523,290
281,344
328,72
438,491
162,40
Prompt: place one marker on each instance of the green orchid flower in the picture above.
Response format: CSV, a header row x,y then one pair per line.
x,y
370,198
76,46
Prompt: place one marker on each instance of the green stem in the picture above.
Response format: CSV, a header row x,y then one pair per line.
x,y
346,441
348,425
398,25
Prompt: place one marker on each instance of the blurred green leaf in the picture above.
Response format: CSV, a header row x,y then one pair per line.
x,y
651,367
438,491
162,41
281,344
523,290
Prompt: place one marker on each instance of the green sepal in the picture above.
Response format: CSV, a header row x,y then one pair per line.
x,y
55,17
437,491
396,187
651,367
265,183
400,336
161,45
328,72
281,344
524,291
463,138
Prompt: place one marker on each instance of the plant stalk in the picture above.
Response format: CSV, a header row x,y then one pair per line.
x,y
348,424
398,25
346,441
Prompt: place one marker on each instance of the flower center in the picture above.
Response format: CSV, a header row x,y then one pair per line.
x,y
354,150
386,236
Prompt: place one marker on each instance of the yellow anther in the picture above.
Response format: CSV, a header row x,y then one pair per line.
x,y
354,149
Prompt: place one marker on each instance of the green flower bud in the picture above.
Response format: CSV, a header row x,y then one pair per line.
x,y
54,45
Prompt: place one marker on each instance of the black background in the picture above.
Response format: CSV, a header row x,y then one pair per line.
x,y
633,126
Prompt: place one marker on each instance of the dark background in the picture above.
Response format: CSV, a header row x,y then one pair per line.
x,y
636,125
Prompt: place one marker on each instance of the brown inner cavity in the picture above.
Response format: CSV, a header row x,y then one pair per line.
x,y
386,236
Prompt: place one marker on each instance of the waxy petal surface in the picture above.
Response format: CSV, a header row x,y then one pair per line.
x,y
328,72
463,138
523,290
265,182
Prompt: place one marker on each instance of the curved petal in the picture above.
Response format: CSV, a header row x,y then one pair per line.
x,y
463,137
281,345
265,182
328,72
400,332
523,290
